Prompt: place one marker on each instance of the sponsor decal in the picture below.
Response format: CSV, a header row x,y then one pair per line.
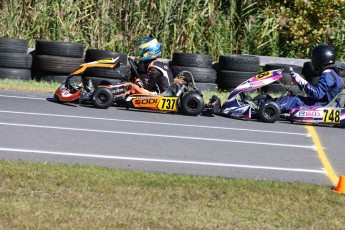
x,y
257,83
309,114
145,101
117,90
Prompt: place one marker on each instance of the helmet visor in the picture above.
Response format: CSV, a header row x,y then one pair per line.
x,y
140,52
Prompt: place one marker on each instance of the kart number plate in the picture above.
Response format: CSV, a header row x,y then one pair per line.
x,y
168,104
331,116
264,75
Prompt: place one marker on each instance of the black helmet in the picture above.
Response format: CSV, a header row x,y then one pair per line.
x,y
322,55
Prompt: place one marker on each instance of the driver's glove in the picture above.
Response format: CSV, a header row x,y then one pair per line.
x,y
140,83
299,80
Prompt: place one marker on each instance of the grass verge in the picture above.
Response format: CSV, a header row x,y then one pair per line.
x,y
46,196
30,86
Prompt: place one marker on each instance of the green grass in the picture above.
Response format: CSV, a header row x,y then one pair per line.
x,y
46,196
30,86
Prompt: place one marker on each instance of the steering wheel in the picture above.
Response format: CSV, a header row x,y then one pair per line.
x,y
133,67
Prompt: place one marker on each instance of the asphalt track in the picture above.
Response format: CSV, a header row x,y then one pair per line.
x,y
33,128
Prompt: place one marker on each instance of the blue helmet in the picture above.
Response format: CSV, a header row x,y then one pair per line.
x,y
148,49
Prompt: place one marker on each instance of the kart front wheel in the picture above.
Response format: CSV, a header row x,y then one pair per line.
x,y
269,112
102,98
192,104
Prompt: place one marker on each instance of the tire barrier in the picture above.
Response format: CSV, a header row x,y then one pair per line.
x,y
13,45
53,61
15,63
308,71
96,81
106,75
313,76
232,70
63,49
200,65
285,81
97,54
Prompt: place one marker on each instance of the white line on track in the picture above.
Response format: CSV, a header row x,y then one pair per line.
x,y
21,97
151,122
159,135
161,160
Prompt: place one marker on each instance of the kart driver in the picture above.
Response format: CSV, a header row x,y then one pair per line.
x,y
154,76
329,85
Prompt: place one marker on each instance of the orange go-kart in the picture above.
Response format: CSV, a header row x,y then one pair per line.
x,y
182,96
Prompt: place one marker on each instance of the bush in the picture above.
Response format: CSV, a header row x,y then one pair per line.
x,y
214,27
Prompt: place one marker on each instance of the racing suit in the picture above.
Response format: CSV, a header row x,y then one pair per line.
x,y
155,78
328,86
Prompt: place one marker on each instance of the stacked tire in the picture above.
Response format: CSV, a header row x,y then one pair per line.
x,y
281,85
235,69
54,61
200,65
309,73
15,62
108,75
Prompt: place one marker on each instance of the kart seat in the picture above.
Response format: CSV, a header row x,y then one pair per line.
x,y
338,100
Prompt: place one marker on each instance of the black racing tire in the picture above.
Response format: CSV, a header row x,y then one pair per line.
x,y
110,73
242,63
273,88
192,60
63,49
96,81
15,60
56,64
98,54
269,112
192,104
206,75
13,45
308,71
17,74
231,79
215,66
341,65
102,98
286,79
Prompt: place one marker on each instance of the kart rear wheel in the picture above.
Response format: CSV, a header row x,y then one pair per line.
x,y
192,104
102,98
269,112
